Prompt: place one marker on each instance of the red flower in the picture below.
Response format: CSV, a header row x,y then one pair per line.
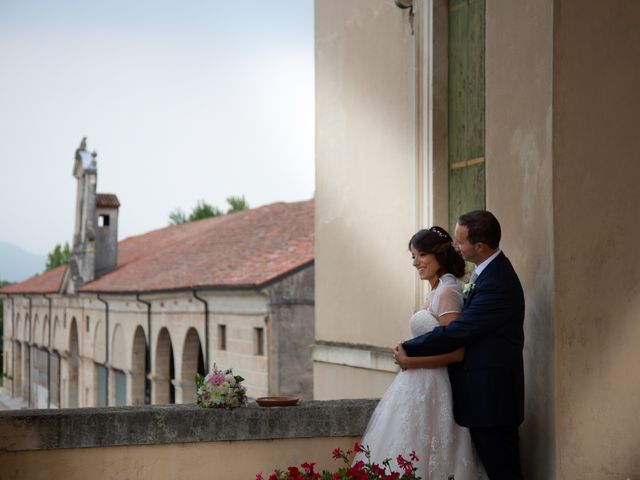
x,y
358,471
401,461
294,473
308,467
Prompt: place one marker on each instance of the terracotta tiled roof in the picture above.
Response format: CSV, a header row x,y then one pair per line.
x,y
47,282
107,200
244,249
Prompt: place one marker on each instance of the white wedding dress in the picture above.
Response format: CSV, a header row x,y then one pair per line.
x,y
416,412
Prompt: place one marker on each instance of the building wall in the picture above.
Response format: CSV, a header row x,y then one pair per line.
x,y
561,167
366,167
519,191
596,168
291,334
116,341
241,313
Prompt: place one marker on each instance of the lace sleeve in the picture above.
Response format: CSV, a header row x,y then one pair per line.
x,y
449,300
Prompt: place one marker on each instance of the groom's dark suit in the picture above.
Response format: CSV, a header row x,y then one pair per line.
x,y
488,385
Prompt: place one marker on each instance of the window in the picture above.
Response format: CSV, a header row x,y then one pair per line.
x,y
258,341
222,337
466,109
87,323
103,220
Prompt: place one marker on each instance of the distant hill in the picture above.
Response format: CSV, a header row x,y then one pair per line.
x,y
17,264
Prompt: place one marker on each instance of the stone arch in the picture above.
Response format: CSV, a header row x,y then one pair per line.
x,y
192,363
100,372
17,329
27,328
74,364
45,332
55,373
164,387
36,330
55,338
99,343
118,352
140,382
118,360
54,379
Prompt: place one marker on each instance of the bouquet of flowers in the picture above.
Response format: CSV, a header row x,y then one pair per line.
x,y
220,389
360,470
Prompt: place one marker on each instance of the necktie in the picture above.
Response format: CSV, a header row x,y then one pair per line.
x,y
474,277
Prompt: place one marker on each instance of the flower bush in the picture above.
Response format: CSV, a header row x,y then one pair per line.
x,y
360,470
220,389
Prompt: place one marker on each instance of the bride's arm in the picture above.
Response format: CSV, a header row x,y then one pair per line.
x,y
435,361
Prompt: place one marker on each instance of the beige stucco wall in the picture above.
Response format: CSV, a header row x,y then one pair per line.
x,y
365,176
348,382
519,186
596,171
239,460
562,166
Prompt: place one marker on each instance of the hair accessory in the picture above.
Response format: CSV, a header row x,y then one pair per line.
x,y
440,233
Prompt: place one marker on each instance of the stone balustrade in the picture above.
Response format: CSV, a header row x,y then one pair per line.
x,y
175,441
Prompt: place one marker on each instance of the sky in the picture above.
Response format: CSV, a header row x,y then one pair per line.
x,y
183,101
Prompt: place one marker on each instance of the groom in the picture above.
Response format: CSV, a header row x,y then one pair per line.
x,y
488,385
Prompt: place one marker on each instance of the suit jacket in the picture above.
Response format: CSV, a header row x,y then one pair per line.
x,y
488,385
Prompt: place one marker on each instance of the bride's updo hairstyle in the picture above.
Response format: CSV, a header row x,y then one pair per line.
x,y
437,241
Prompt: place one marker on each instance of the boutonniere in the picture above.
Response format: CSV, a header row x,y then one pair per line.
x,y
467,289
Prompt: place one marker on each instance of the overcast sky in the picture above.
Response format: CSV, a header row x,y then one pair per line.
x,y
182,101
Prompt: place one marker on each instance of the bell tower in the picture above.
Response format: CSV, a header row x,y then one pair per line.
x,y
82,261
95,236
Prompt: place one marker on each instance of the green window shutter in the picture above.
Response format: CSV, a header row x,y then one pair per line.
x,y
466,107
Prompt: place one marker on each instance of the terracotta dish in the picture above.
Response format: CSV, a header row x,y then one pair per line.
x,y
277,401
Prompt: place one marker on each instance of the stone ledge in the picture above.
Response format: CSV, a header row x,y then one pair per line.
x,y
355,355
22,430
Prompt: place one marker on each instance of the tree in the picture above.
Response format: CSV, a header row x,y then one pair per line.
x,y
177,216
58,256
203,210
236,204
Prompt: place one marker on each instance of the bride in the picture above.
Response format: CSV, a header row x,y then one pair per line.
x,y
416,411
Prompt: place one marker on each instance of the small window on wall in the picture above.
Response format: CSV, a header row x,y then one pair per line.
x,y
88,321
103,220
258,341
222,337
